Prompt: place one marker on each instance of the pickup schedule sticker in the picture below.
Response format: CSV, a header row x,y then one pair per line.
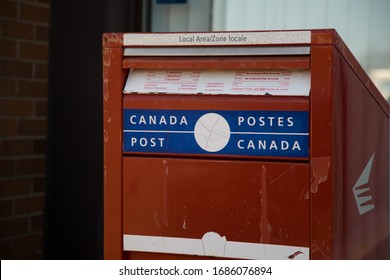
x,y
246,133
237,82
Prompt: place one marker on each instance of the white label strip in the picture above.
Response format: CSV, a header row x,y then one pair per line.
x,y
212,244
212,39
248,82
216,51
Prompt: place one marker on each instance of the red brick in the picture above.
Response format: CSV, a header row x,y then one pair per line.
x,y
33,89
6,167
36,223
28,244
12,227
33,51
15,147
41,71
15,187
34,13
32,127
8,9
6,208
42,33
16,108
39,146
39,185
40,108
15,29
8,48
9,127
17,69
7,87
28,205
30,166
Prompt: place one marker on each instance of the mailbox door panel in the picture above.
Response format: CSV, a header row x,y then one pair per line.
x,y
189,206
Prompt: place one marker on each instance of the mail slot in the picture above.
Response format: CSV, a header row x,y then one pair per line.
x,y
243,145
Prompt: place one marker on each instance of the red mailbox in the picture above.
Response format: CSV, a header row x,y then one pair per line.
x,y
252,145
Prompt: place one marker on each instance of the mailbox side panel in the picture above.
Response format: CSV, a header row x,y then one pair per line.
x,y
361,156
113,81
349,161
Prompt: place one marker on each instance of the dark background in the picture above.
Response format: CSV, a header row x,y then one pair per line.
x,y
74,195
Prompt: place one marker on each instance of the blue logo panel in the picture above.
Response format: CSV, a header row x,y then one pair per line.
x,y
247,133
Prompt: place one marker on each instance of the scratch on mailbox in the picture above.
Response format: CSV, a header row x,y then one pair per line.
x,y
264,223
165,192
156,220
305,192
281,175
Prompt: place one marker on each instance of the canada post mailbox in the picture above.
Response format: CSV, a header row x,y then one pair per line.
x,y
248,145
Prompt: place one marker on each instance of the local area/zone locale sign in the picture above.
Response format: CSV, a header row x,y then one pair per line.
x,y
249,133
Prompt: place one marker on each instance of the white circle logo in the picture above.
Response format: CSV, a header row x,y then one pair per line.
x,y
212,132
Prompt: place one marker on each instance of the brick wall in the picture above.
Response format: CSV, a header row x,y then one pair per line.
x,y
23,125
